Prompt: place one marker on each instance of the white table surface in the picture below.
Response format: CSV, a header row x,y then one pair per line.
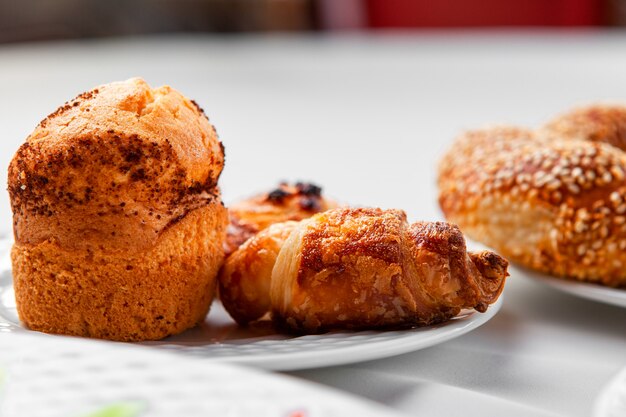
x,y
367,118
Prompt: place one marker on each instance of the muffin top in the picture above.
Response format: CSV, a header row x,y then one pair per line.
x,y
117,164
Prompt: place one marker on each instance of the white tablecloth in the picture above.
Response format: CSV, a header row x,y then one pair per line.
x,y
367,117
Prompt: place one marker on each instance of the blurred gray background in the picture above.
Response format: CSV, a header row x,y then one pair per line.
x,y
31,20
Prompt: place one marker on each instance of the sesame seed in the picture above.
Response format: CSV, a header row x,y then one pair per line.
x,y
573,188
615,197
540,181
554,234
577,172
597,205
618,173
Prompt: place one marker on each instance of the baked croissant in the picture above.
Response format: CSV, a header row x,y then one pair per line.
x,y
285,202
553,199
358,268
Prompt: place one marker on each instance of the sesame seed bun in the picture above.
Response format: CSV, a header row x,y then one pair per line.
x,y
553,199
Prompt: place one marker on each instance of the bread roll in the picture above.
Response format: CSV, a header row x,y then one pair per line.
x,y
597,123
117,216
553,200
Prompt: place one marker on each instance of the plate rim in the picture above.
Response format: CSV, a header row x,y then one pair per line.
x,y
587,290
381,349
616,388
408,340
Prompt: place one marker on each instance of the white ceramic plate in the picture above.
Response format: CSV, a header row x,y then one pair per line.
x,y
612,401
607,295
613,296
71,377
220,339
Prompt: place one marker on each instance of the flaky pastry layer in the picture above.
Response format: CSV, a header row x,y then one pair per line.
x,y
359,269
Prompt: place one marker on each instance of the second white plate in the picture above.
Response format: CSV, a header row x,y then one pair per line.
x,y
69,377
607,295
612,400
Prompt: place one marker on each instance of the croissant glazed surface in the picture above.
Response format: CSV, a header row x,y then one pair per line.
x,y
117,216
286,202
360,269
552,199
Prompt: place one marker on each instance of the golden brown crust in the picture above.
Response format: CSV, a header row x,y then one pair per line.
x,y
553,203
477,277
109,195
246,275
285,202
491,267
367,268
116,165
118,295
596,123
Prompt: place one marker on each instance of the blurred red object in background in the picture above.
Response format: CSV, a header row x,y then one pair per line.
x,y
474,13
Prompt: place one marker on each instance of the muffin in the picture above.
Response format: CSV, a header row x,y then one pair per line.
x,y
117,216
